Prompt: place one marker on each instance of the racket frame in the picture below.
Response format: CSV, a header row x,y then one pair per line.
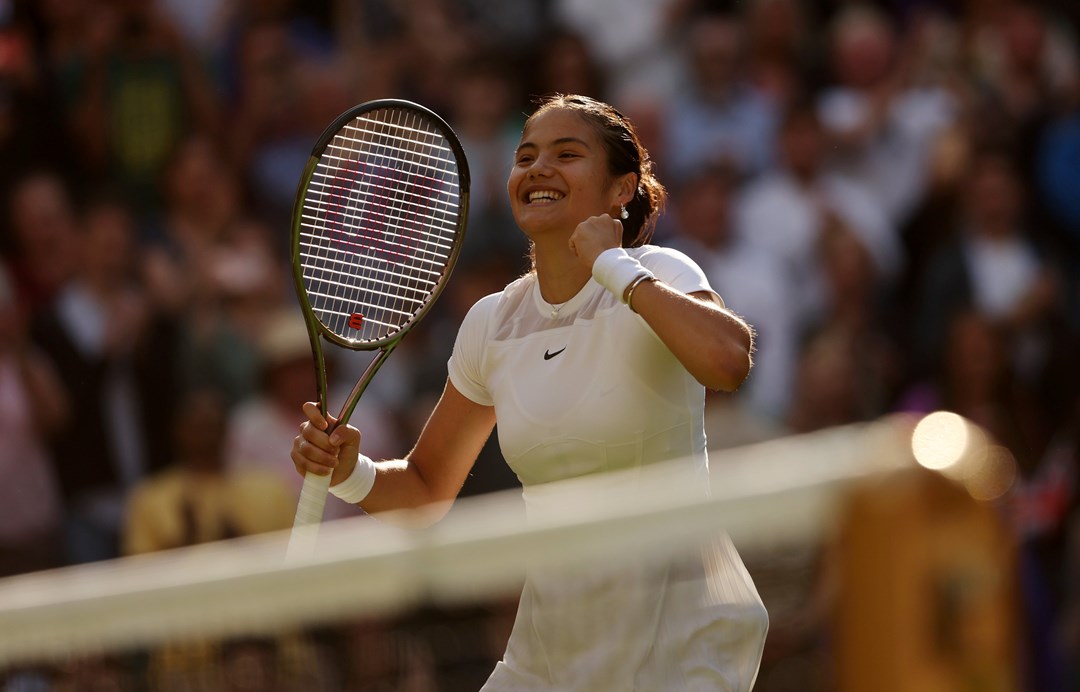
x,y
313,495
316,329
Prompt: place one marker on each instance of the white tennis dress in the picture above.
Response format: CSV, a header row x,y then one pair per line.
x,y
588,390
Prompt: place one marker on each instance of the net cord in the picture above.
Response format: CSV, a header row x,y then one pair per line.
x,y
367,566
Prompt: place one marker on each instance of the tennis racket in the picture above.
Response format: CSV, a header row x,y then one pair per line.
x,y
378,222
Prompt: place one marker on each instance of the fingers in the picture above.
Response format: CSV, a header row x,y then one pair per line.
x,y
594,235
313,449
316,451
312,454
315,415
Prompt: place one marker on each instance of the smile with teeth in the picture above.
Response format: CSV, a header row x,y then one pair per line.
x,y
544,196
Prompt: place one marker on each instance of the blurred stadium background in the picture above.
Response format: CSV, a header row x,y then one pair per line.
x,y
889,191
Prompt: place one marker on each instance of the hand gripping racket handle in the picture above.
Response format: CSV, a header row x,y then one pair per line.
x,y
309,509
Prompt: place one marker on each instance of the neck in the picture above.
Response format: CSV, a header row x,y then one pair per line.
x,y
559,271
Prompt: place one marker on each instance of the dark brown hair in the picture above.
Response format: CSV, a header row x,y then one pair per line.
x,y
625,154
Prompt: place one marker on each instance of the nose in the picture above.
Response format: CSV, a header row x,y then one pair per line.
x,y
539,168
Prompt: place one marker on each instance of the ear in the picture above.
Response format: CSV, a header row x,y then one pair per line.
x,y
625,188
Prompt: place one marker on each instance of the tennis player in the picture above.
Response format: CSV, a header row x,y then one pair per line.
x,y
596,360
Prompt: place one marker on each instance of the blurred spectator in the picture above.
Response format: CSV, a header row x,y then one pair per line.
x,y
565,64
992,266
43,228
1025,69
1042,506
32,406
213,268
631,40
857,318
370,36
143,90
787,213
33,131
486,117
1057,180
511,28
64,32
437,41
882,121
202,201
754,284
825,390
195,500
782,61
284,90
114,356
716,116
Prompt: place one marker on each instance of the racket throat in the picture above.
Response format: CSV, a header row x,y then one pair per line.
x,y
362,383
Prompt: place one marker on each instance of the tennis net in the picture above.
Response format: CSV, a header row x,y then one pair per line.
x,y
392,603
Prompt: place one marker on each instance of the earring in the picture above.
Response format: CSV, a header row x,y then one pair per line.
x,y
623,214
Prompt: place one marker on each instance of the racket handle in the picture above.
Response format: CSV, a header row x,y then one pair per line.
x,y
309,513
312,500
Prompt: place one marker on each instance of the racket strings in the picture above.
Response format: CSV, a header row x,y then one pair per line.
x,y
379,222
330,270
396,228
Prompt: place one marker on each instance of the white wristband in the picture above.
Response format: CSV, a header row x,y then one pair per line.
x,y
615,269
359,483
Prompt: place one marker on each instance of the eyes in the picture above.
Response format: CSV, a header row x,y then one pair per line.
x,y
527,158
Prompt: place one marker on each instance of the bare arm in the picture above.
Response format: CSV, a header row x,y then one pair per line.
x,y
431,474
712,343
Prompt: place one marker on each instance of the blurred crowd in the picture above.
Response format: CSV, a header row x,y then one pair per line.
x,y
888,191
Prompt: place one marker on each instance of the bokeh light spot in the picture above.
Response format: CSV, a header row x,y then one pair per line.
x,y
940,440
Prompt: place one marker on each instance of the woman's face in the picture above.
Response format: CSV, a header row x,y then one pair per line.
x,y
560,175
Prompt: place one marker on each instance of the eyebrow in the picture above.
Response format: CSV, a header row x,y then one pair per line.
x,y
557,142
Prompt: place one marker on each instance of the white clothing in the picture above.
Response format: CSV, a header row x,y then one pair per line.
x,y
1002,272
785,219
591,390
895,162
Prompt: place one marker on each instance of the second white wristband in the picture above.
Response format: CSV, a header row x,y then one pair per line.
x,y
359,483
615,269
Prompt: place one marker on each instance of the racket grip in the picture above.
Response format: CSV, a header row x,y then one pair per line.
x,y
309,512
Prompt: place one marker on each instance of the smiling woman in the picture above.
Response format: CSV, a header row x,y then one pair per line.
x,y
596,360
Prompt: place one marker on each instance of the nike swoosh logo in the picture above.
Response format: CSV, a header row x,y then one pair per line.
x,y
549,356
